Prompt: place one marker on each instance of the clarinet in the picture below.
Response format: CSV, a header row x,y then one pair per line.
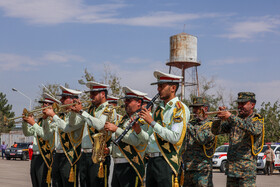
x,y
116,142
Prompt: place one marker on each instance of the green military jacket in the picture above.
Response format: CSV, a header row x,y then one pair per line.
x,y
241,161
200,145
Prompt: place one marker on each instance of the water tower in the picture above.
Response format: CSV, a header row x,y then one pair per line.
x,y
183,55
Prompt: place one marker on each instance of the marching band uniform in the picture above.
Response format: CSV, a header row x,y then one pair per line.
x,y
94,174
166,138
67,129
42,159
114,101
129,167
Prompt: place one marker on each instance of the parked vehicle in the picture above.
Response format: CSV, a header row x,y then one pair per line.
x,y
262,158
219,159
20,151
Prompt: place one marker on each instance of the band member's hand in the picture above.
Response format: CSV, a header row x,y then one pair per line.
x,y
136,127
29,119
45,116
110,127
145,114
221,108
106,150
78,107
48,112
223,114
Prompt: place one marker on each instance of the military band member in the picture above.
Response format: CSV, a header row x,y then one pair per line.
x,y
114,101
245,136
200,147
146,100
166,133
95,174
67,127
129,167
42,159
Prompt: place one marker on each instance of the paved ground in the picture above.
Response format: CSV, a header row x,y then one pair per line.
x,y
14,173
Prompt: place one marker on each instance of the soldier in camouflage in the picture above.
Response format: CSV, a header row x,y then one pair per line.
x,y
245,136
200,147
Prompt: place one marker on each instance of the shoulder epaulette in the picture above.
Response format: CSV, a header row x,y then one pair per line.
x,y
178,105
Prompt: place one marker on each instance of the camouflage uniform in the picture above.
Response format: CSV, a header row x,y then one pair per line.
x,y
198,167
242,164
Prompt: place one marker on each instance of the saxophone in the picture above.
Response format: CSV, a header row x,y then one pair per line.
x,y
100,142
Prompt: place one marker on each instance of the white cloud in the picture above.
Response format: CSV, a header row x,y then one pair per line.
x,y
49,12
56,11
61,57
253,26
163,19
233,60
14,62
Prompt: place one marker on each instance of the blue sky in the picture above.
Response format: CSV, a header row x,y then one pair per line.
x,y
53,41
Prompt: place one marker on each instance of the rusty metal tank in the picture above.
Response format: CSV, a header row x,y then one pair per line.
x,y
183,51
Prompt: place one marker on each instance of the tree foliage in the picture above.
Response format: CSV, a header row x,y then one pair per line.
x,y
5,111
215,98
51,89
271,114
113,81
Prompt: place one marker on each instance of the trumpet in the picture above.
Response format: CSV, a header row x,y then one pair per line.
x,y
217,112
27,113
21,120
59,108
203,114
55,106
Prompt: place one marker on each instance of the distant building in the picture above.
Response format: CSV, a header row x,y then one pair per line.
x,y
16,135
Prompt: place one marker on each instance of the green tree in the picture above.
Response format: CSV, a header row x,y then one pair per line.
x,y
271,114
108,78
113,81
5,112
51,89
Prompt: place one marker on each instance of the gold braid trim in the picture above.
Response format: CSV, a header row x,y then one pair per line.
x,y
180,142
252,138
214,144
206,148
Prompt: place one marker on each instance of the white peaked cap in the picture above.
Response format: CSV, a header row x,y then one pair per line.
x,y
166,78
95,86
69,92
147,99
47,98
130,93
112,99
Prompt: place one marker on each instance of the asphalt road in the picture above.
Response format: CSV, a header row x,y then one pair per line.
x,y
14,173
